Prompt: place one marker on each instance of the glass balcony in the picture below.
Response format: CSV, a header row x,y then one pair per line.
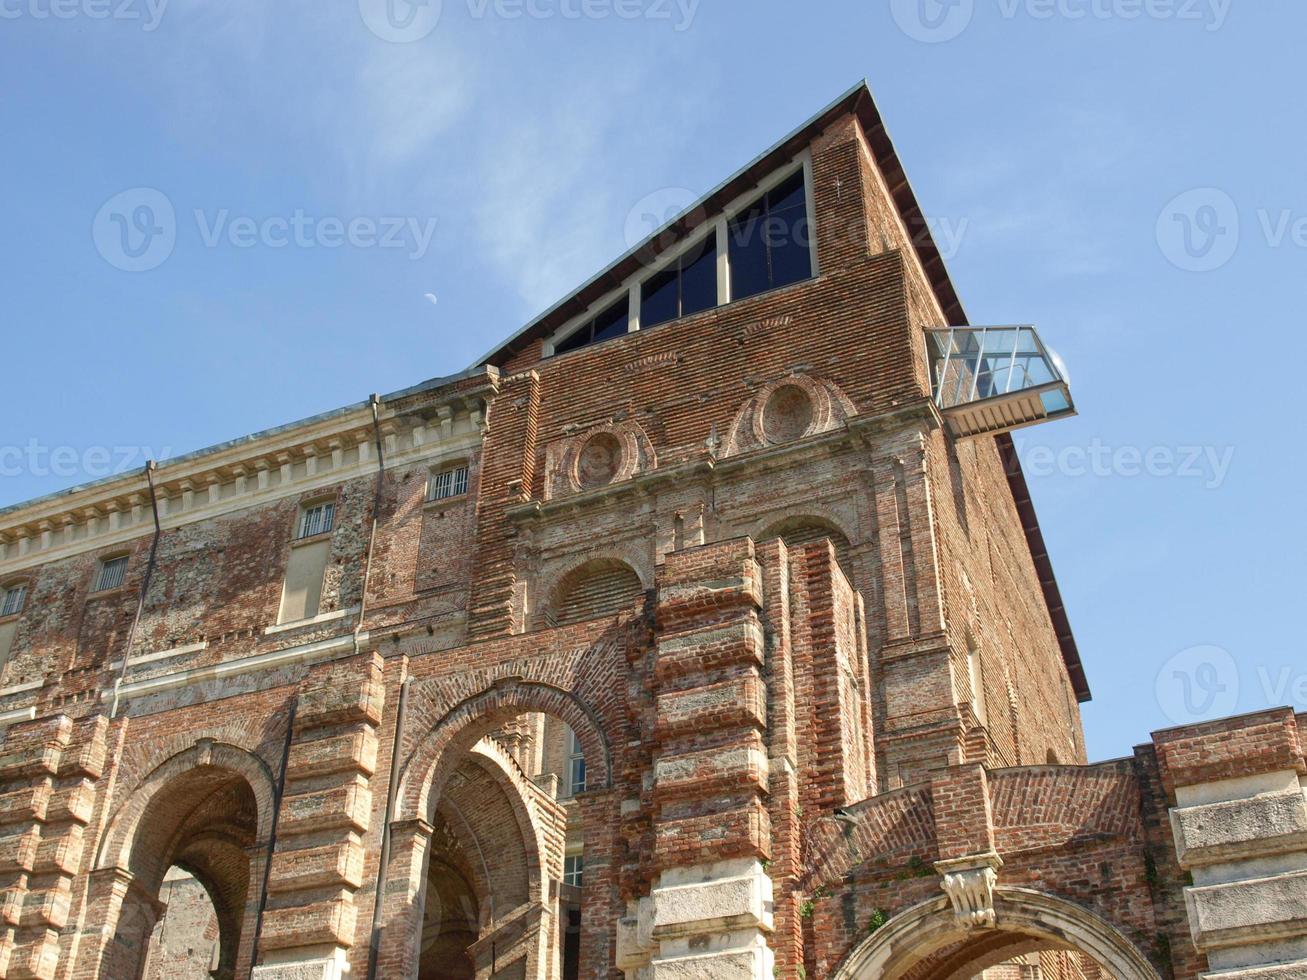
x,y
995,379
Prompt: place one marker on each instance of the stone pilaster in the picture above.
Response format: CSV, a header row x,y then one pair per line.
x,y
51,766
710,910
1240,829
311,918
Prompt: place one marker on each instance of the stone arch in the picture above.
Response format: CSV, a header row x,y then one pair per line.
x,y
462,732
929,940
593,589
469,721
208,811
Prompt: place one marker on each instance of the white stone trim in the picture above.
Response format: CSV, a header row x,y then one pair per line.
x,y
8,718
296,624
148,658
302,653
21,688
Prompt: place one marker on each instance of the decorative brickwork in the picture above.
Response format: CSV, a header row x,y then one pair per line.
x,y
723,658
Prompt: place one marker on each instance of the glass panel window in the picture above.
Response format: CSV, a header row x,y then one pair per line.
x,y
111,574
573,869
612,322
448,483
14,598
316,519
769,241
688,285
575,766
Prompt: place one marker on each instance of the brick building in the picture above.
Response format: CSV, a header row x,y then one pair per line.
x,y
702,629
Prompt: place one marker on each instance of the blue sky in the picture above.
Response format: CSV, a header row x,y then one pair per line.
x,y
1125,173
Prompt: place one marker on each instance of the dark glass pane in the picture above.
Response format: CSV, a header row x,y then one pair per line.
x,y
788,195
790,259
612,322
578,339
658,298
699,278
749,274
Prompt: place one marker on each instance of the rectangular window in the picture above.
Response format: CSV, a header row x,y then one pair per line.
x,y
769,241
687,286
573,869
316,519
111,573
301,595
7,631
15,597
448,483
612,322
575,766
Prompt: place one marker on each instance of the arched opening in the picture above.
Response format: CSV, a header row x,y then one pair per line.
x,y
182,857
184,944
1038,936
601,587
497,793
506,857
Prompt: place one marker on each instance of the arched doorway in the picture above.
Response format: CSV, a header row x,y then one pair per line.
x,y
490,820
179,870
929,942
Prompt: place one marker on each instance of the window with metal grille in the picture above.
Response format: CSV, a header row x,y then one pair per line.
x,y
15,596
316,519
448,483
573,868
111,574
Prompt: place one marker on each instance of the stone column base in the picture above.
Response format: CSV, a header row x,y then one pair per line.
x,y
710,920
330,966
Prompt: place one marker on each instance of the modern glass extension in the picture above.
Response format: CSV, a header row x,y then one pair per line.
x,y
995,379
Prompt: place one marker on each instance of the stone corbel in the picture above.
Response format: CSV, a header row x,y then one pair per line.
x,y
969,883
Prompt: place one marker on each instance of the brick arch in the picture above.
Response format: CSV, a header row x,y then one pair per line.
x,y
205,809
431,759
929,939
814,521
116,846
615,582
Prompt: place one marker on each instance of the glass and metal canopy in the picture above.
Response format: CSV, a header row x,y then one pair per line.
x,y
995,379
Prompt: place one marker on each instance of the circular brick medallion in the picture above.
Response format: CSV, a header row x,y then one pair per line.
x,y
599,461
788,414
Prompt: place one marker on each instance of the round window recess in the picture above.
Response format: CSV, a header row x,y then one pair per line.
x,y
599,461
787,415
